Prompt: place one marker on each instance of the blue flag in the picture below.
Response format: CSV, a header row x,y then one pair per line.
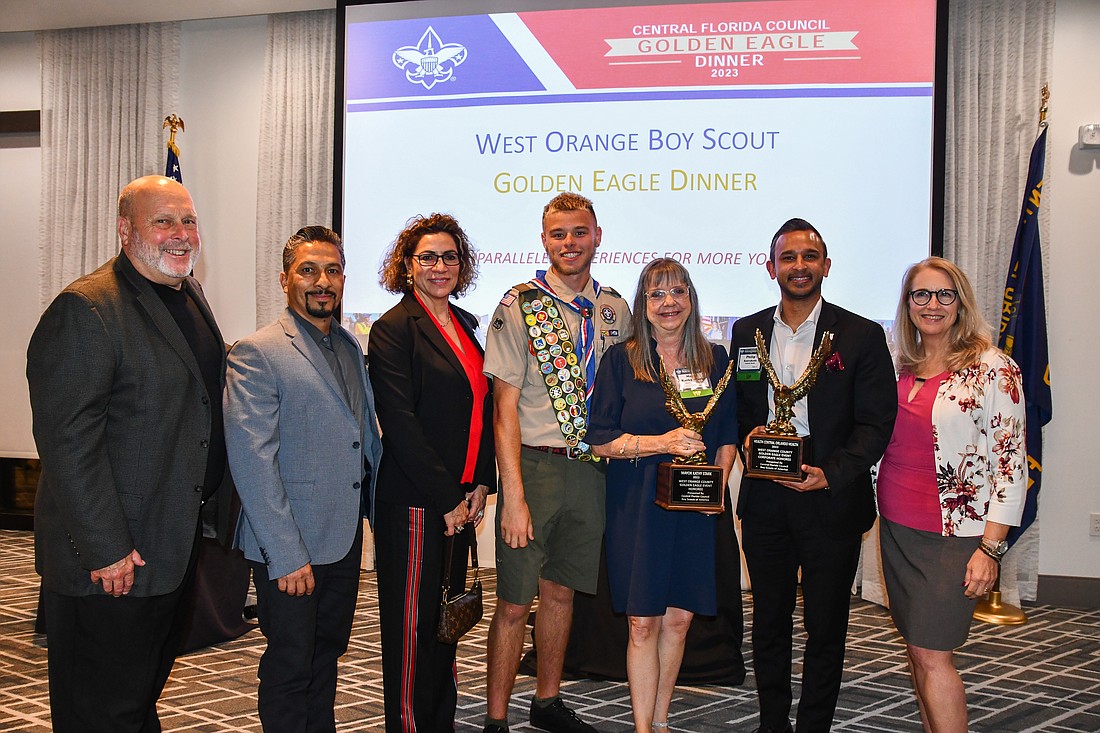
x,y
172,166
1024,328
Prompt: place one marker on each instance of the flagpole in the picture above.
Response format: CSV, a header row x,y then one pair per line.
x,y
991,609
172,166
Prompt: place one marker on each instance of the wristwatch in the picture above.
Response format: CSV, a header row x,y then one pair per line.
x,y
995,550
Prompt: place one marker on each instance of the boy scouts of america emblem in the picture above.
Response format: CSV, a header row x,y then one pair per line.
x,y
430,61
607,313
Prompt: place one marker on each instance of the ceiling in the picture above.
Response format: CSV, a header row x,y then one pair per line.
x,y
35,15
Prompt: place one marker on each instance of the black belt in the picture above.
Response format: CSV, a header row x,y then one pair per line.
x,y
548,449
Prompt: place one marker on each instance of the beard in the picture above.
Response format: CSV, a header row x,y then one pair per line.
x,y
155,258
320,310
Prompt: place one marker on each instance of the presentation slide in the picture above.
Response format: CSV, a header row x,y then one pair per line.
x,y
696,129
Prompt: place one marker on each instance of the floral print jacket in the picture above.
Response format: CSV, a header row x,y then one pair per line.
x,y
978,437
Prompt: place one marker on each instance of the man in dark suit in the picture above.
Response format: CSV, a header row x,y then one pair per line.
x,y
126,369
299,426
814,524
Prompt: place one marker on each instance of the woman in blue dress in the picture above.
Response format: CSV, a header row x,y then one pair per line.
x,y
660,563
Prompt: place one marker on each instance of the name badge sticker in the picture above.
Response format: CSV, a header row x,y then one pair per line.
x,y
691,385
748,364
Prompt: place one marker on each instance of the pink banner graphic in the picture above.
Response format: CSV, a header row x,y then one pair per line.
x,y
730,44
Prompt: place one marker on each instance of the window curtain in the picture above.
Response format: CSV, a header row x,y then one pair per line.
x,y
105,94
999,58
296,139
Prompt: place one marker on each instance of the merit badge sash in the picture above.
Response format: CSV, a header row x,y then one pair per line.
x,y
562,374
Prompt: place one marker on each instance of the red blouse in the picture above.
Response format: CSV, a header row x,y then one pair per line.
x,y
469,356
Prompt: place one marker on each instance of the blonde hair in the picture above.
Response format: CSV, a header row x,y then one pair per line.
x,y
969,336
569,201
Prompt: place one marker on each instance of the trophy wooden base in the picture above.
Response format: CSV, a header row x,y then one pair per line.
x,y
776,457
688,487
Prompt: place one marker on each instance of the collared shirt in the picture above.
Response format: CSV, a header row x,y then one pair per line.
x,y
508,355
790,352
341,358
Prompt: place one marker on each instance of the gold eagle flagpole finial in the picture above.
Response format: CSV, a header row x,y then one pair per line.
x,y
174,123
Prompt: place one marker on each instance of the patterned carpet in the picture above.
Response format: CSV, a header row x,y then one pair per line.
x,y
1043,676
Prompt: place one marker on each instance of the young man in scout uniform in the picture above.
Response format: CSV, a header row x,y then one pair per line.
x,y
544,344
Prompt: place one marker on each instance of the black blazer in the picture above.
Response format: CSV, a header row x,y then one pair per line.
x,y
852,411
122,421
424,404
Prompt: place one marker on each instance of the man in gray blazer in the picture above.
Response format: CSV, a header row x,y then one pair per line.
x,y
125,369
299,422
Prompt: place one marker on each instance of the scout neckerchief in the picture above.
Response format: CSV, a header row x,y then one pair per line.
x,y
567,384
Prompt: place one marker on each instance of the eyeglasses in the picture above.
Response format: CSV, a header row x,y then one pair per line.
x,y
658,294
428,259
943,295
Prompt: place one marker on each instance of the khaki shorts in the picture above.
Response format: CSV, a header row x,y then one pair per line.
x,y
566,501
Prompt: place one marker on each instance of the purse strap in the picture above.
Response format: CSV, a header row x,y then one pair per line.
x,y
450,559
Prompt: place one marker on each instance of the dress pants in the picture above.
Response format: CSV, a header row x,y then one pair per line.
x,y
306,635
418,672
109,658
779,537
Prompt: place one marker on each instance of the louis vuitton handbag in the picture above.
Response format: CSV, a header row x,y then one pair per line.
x,y
460,613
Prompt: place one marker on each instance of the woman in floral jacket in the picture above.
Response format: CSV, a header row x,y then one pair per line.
x,y
952,481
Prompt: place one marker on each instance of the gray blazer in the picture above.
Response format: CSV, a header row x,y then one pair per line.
x,y
122,423
296,448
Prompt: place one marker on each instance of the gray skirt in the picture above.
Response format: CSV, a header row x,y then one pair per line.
x,y
924,574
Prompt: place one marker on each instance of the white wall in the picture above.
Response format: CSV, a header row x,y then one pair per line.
x,y
1071,487
20,176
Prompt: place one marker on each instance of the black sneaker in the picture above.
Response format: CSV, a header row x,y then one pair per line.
x,y
494,728
557,718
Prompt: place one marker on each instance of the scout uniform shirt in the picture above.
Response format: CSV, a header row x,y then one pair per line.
x,y
508,355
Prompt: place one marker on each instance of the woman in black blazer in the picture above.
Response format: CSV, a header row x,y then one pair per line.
x,y
436,414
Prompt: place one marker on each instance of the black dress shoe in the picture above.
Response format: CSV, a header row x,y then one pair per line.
x,y
766,729
557,718
494,728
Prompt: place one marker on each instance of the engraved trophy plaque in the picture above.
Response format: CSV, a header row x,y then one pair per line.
x,y
691,484
778,453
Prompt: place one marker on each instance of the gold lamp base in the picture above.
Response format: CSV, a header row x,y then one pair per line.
x,y
992,611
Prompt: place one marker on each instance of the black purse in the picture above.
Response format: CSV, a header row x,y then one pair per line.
x,y
461,613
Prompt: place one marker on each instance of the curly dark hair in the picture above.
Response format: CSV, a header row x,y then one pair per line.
x,y
394,273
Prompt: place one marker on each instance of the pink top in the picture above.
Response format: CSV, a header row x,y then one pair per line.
x,y
907,490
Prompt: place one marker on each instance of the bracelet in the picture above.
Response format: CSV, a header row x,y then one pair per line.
x,y
637,439
988,553
622,448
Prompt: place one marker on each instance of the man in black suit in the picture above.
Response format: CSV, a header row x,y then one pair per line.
x,y
815,524
126,369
